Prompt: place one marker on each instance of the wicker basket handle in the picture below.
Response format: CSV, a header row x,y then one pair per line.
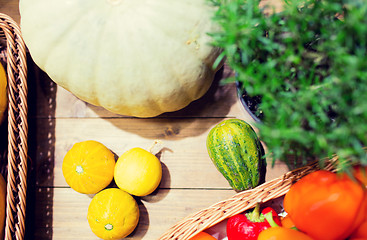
x,y
14,52
240,202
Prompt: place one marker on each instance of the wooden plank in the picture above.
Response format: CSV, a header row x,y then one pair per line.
x,y
62,120
183,140
60,213
220,100
10,8
184,156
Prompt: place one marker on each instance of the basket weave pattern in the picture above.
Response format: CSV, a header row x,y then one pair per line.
x,y
240,202
13,54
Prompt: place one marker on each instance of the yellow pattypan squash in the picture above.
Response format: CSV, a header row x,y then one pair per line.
x,y
88,167
138,172
113,214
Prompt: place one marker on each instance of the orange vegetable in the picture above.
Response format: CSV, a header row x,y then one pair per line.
x,y
360,173
113,214
203,236
361,231
88,167
287,222
325,205
3,93
282,233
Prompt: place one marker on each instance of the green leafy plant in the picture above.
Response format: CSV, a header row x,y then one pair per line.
x,y
308,63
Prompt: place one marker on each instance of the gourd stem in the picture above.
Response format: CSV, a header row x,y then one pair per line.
x,y
155,143
269,217
79,169
108,226
254,216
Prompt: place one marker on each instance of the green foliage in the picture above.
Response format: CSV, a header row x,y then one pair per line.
x,y
309,65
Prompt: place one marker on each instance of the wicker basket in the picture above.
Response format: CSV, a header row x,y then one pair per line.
x,y
13,56
240,202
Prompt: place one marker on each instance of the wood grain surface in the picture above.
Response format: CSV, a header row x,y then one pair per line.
x,y
57,120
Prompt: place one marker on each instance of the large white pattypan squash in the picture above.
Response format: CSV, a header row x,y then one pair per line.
x,y
133,57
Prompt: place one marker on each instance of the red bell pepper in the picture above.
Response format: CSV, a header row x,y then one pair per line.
x,y
248,226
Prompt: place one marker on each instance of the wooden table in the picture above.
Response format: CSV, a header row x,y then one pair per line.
x,y
57,120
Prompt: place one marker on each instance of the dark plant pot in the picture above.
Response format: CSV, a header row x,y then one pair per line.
x,y
250,103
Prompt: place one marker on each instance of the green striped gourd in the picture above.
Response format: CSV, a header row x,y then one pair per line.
x,y
236,151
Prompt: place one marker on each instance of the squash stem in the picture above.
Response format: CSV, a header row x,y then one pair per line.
x,y
108,226
79,169
269,217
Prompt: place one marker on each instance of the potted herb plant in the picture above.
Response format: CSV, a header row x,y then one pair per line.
x,y
307,67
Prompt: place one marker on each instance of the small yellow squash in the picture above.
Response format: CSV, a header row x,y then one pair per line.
x,y
113,214
138,172
88,167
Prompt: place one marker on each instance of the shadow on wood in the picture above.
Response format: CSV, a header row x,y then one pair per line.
x,y
39,214
214,105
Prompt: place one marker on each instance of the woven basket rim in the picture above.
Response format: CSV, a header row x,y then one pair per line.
x,y
193,224
14,55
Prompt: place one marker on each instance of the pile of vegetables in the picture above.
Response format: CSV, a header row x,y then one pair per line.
x,y
89,168
322,205
307,64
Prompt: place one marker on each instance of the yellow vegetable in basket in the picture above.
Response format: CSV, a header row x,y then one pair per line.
x,y
138,172
3,93
88,167
2,204
113,214
137,58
